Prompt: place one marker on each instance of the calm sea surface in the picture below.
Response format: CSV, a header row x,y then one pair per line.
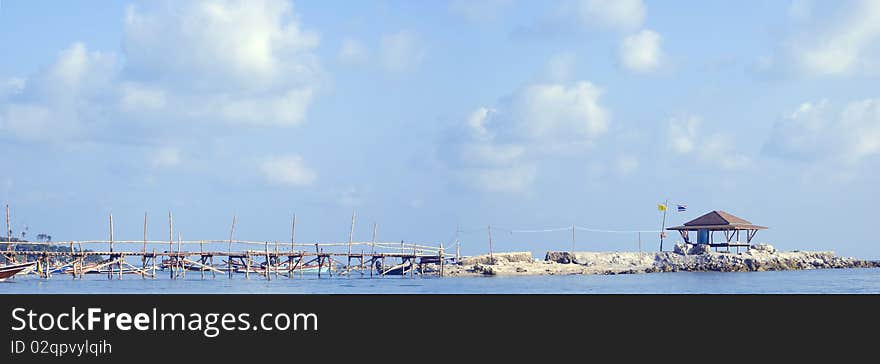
x,y
811,281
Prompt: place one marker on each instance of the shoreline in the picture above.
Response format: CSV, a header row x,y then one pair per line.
x,y
757,258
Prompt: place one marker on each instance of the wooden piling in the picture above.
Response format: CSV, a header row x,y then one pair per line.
x,y
268,263
110,267
350,237
144,251
171,262
229,248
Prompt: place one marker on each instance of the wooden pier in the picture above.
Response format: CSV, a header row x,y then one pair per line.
x,y
269,260
275,260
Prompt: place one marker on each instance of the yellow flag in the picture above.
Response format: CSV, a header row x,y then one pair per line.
x,y
661,207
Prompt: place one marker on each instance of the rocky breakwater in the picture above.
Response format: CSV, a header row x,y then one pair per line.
x,y
759,257
698,258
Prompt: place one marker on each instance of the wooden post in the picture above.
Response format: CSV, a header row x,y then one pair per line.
x,y
229,248
120,261
110,267
180,258
82,260
171,261
373,242
318,257
412,262
8,229
247,265
293,234
154,264
350,237
290,271
144,251
202,259
268,263
441,258
275,268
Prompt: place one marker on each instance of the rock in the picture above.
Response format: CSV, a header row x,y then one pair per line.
x,y
498,258
699,249
763,248
560,257
681,248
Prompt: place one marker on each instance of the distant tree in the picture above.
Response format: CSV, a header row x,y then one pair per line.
x,y
44,237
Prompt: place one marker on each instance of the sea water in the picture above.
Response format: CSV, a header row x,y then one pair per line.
x,y
803,281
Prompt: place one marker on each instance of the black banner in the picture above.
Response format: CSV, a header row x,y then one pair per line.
x,y
266,328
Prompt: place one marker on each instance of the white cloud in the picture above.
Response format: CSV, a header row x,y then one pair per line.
x,y
250,44
641,52
228,61
165,157
352,51
402,51
247,62
815,132
838,41
479,11
607,14
498,148
557,111
287,170
686,138
60,102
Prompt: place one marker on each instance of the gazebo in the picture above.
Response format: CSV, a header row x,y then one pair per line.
x,y
717,220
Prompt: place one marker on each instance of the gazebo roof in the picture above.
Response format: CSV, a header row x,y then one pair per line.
x,y
718,220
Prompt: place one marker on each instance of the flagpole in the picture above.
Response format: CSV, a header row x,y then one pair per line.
x,y
663,224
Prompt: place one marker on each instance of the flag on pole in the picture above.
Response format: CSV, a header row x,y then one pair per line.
x,y
681,208
661,207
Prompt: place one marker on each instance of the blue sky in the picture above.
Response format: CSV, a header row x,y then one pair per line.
x,y
422,116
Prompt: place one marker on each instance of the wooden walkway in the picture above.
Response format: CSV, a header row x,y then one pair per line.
x,y
275,259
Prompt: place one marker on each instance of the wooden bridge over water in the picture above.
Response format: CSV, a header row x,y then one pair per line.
x,y
263,258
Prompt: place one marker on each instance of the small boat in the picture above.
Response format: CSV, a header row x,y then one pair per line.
x,y
7,271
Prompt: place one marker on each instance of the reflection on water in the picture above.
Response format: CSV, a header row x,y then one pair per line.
x,y
810,281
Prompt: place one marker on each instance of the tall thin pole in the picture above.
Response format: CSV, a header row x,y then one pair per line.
x,y
170,232
111,232
171,261
373,242
663,225
293,233
572,239
350,237
457,244
110,267
144,256
229,248
491,258
8,228
640,243
351,234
